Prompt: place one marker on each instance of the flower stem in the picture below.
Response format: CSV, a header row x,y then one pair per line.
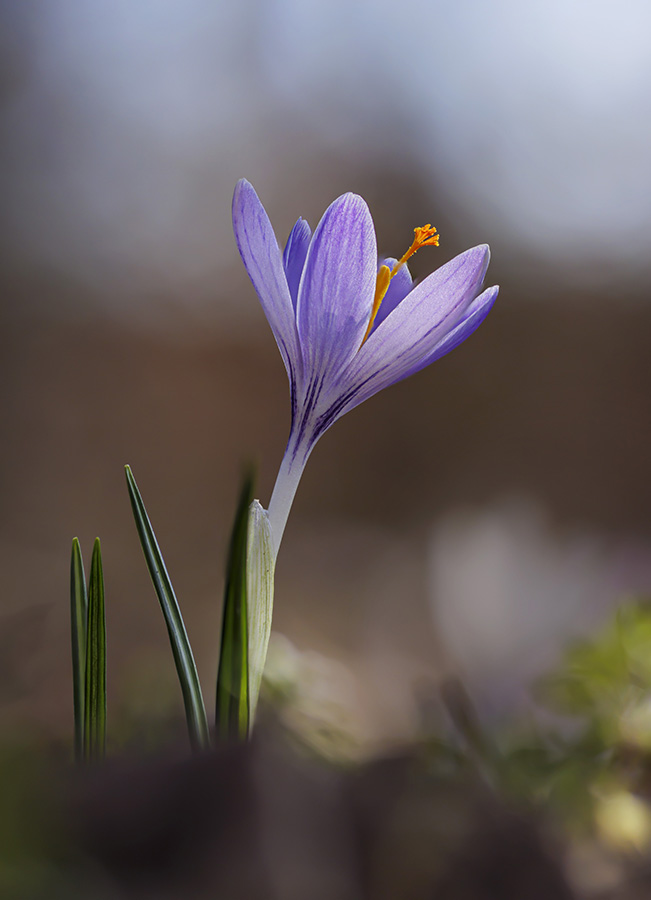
x,y
284,491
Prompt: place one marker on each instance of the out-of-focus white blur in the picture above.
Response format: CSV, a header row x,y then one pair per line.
x,y
126,125
508,594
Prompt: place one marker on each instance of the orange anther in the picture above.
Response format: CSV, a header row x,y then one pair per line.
x,y
424,235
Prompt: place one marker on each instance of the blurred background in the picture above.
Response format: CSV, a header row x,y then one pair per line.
x,y
469,520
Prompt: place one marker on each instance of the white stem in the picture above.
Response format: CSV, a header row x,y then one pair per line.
x,y
284,491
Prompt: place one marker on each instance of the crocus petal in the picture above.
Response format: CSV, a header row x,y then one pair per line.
x,y
474,316
410,334
337,286
260,254
399,286
294,256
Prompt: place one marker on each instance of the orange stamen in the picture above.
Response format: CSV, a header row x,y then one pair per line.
x,y
424,235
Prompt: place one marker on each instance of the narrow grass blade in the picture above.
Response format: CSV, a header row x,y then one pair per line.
x,y
195,712
78,618
95,694
232,712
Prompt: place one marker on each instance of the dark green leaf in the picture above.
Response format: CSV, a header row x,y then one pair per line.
x,y
232,713
78,617
95,696
195,712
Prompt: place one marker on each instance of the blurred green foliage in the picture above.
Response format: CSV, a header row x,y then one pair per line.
x,y
581,756
605,681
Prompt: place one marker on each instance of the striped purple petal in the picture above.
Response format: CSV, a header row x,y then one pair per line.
x,y
261,256
408,338
337,287
294,256
474,316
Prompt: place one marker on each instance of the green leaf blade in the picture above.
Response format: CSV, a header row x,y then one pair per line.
x,y
260,568
95,687
232,708
195,712
78,619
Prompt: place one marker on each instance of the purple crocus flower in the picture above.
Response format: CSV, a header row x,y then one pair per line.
x,y
348,326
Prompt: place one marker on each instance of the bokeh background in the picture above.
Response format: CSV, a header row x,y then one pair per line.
x,y
469,520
